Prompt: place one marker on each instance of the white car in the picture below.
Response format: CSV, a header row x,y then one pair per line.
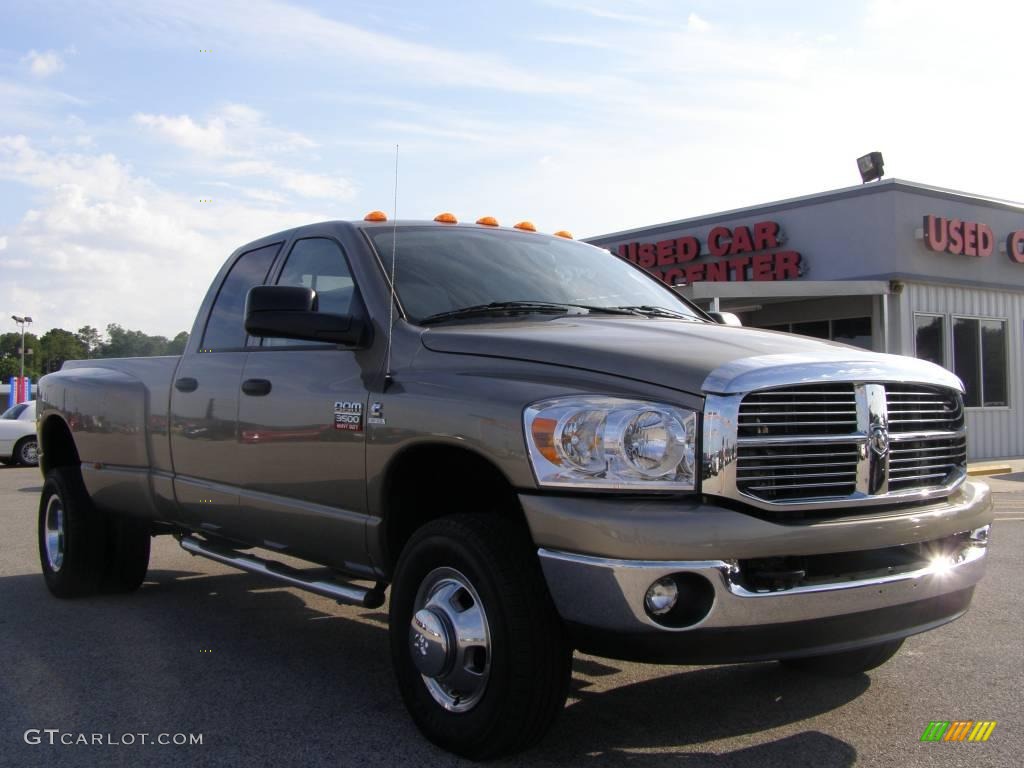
x,y
18,443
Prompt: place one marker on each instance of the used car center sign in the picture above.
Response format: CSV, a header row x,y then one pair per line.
x,y
735,254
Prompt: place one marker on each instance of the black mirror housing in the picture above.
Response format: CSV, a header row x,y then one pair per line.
x,y
290,312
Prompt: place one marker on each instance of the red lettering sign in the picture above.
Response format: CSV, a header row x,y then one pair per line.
x,y
674,260
968,238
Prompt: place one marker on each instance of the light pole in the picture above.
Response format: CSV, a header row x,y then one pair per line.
x,y
22,321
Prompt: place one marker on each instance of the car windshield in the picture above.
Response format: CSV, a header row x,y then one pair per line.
x,y
14,411
442,270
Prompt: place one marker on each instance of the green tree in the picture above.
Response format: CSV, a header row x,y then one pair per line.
x,y
58,345
10,348
176,346
90,339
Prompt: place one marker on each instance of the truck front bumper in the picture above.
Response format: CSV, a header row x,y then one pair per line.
x,y
722,616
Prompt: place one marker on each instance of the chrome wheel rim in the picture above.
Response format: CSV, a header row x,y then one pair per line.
x,y
30,452
450,640
53,535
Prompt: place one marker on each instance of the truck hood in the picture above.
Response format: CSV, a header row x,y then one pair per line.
x,y
690,356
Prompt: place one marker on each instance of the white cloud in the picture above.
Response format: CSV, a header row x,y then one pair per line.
x,y
43,64
98,233
237,141
3,243
301,32
185,132
696,23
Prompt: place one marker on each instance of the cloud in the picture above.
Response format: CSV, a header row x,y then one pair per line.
x,y
696,23
237,141
43,64
301,32
98,232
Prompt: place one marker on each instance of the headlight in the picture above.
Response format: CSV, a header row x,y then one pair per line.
x,y
609,442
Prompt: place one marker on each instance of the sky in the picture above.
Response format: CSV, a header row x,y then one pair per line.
x,y
142,142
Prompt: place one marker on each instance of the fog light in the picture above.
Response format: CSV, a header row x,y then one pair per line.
x,y
661,596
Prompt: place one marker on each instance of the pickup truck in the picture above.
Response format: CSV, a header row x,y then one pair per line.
x,y
539,448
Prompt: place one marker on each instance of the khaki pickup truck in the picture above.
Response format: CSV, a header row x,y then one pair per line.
x,y
539,448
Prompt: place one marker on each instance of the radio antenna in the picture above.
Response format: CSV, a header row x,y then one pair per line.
x,y
394,298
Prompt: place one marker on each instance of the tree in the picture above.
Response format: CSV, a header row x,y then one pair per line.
x,y
177,344
90,339
58,345
10,348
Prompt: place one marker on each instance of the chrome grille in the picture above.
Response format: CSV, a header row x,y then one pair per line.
x,y
848,441
921,463
913,407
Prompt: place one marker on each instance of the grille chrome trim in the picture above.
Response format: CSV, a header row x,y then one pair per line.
x,y
882,463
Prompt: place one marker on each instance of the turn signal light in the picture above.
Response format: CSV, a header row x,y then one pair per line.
x,y
564,233
527,225
487,221
446,218
375,216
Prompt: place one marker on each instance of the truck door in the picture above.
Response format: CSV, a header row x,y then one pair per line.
x,y
204,400
302,420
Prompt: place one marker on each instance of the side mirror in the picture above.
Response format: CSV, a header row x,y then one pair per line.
x,y
726,318
290,312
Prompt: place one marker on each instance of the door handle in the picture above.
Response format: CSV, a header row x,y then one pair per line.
x,y
256,387
186,384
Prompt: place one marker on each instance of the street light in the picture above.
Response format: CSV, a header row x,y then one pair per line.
x,y
22,321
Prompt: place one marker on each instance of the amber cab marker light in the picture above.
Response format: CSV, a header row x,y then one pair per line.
x,y
375,216
527,225
487,221
446,218
564,233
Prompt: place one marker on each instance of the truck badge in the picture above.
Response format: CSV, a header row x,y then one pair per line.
x,y
376,414
348,416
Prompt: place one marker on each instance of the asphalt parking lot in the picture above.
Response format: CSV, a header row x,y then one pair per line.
x,y
273,676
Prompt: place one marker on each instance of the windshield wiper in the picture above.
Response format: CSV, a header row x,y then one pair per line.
x,y
505,307
650,311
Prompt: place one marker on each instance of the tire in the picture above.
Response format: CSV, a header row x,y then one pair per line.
x,y
72,540
127,560
26,452
517,680
846,663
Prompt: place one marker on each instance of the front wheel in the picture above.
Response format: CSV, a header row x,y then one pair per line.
x,y
846,663
481,656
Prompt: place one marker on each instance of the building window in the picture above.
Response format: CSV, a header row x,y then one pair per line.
x,y
930,338
855,331
979,359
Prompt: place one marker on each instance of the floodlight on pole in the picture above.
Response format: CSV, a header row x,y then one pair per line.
x,y
22,321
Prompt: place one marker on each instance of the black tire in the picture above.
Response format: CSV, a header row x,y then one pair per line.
x,y
74,561
26,452
529,657
846,663
127,545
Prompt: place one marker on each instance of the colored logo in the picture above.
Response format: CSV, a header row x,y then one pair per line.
x,y
958,730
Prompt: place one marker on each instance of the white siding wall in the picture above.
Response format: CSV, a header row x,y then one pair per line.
x,y
992,432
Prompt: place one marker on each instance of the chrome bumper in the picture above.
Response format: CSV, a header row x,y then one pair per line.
x,y
609,594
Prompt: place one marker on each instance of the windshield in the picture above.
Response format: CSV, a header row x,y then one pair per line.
x,y
14,411
443,270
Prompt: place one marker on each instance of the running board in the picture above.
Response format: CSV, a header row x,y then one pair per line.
x,y
343,593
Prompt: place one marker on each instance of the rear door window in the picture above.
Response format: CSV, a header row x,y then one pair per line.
x,y
225,328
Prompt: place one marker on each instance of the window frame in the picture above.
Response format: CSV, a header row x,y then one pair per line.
x,y
272,279
953,317
209,312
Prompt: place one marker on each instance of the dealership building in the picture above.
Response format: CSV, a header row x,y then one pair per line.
x,y
891,266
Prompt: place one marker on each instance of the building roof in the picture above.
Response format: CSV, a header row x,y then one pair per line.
x,y
884,185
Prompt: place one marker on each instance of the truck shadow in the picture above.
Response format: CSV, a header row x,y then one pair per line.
x,y
261,670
